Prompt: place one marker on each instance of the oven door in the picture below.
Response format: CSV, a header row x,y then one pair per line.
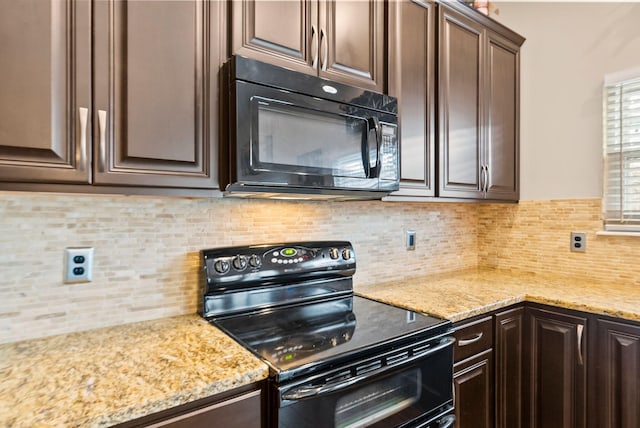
x,y
287,139
416,392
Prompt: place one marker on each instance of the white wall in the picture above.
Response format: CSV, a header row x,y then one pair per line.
x,y
569,48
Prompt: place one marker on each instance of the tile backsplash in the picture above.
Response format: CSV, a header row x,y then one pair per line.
x,y
534,236
146,259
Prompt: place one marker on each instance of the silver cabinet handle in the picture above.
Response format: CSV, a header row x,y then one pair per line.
x,y
465,342
325,48
580,330
83,114
486,178
482,178
102,123
314,46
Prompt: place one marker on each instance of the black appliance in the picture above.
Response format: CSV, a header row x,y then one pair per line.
x,y
336,359
297,135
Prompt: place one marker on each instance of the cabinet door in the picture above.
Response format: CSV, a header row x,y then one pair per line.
x,y
352,41
473,391
460,113
283,33
240,412
509,328
155,75
557,369
45,92
618,375
412,81
502,154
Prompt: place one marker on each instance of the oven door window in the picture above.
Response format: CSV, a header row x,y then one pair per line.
x,y
379,400
293,139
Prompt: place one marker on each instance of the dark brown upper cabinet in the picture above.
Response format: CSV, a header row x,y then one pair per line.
x,y
135,107
155,75
45,82
478,106
340,40
412,80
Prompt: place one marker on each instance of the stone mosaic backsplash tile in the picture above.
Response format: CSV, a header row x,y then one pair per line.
x,y
146,260
534,236
146,257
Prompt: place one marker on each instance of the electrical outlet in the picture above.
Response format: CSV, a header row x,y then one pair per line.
x,y
78,265
579,241
410,243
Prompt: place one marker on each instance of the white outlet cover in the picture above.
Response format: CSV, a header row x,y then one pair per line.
x,y
78,265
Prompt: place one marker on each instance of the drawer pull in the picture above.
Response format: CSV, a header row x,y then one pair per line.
x,y
465,342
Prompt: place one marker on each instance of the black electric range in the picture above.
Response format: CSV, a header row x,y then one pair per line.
x,y
293,306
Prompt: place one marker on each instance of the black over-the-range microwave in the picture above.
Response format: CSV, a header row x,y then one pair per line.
x,y
293,135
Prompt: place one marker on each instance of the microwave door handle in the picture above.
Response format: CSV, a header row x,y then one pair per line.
x,y
364,148
374,125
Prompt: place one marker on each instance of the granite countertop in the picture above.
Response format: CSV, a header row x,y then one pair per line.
x,y
112,375
108,376
460,295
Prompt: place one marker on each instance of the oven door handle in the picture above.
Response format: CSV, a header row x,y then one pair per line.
x,y
303,392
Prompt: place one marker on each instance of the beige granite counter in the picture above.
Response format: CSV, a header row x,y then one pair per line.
x,y
461,295
107,376
111,375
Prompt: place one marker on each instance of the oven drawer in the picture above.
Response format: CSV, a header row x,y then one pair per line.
x,y
472,338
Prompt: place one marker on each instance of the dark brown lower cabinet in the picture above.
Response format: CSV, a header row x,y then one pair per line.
x,y
556,369
508,343
618,375
547,367
473,389
240,408
473,373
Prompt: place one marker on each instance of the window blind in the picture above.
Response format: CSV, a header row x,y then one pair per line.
x,y
621,203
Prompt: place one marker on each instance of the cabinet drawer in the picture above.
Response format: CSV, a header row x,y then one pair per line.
x,y
473,338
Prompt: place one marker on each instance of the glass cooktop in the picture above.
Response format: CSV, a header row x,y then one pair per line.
x,y
297,337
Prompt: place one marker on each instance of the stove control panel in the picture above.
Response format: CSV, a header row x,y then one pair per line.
x,y
256,264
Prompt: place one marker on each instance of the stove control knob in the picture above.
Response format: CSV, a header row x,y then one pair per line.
x,y
221,266
333,253
346,254
254,261
239,262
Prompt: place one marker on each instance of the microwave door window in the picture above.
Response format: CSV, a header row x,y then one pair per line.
x,y
308,146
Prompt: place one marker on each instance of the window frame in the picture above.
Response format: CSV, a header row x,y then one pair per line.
x,y
625,221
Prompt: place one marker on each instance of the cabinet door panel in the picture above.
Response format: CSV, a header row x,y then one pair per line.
x,y
412,81
618,375
45,65
557,370
152,75
502,138
460,94
473,386
352,42
508,351
239,412
283,33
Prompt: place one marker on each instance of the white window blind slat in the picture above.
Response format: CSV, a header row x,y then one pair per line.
x,y
621,201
